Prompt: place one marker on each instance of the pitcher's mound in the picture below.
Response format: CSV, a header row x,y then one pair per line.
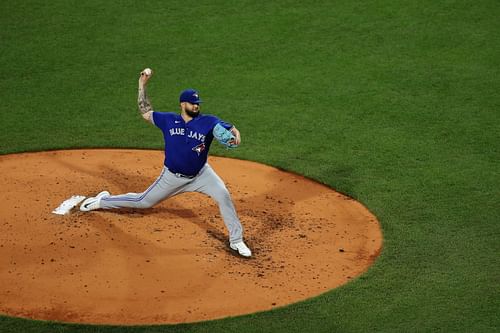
x,y
170,263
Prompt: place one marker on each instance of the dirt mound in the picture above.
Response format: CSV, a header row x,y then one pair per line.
x,y
170,263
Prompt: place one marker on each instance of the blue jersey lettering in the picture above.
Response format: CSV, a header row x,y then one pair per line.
x,y
197,136
176,131
186,144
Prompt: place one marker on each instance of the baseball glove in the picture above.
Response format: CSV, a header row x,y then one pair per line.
x,y
224,136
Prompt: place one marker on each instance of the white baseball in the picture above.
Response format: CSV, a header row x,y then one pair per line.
x,y
148,71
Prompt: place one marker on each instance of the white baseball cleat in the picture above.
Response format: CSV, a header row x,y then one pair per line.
x,y
242,249
93,203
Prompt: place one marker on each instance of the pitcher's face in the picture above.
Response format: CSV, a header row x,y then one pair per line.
x,y
192,110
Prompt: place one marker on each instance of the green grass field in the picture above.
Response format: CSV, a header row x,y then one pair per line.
x,y
395,103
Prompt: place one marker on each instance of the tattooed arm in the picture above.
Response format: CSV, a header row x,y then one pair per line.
x,y
143,101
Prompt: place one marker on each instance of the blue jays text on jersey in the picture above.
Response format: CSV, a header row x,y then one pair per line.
x,y
186,144
191,134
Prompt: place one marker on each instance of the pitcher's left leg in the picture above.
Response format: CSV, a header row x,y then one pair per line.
x,y
208,182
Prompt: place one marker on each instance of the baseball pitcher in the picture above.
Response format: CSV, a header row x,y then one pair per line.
x,y
187,137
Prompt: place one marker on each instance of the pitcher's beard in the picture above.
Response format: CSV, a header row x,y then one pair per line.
x,y
192,114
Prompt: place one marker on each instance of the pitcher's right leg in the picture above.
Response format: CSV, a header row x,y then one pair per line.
x,y
165,186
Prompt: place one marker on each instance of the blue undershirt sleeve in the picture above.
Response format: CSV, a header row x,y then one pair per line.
x,y
225,124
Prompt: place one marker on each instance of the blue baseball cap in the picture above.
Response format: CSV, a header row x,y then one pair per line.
x,y
191,96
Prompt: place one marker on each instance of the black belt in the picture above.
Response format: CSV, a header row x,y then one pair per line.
x,y
178,174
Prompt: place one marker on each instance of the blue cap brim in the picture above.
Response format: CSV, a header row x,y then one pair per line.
x,y
193,102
